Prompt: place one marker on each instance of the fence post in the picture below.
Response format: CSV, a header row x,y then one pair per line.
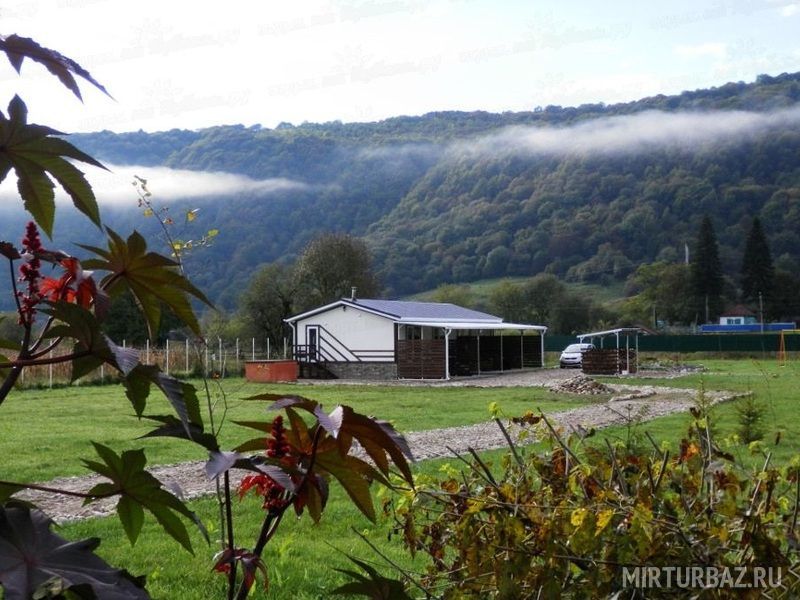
x,y
205,345
284,348
166,358
267,348
186,358
147,351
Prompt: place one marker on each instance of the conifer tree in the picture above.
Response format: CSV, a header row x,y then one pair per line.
x,y
758,273
706,271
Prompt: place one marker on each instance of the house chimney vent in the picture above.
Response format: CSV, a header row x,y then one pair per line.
x,y
353,293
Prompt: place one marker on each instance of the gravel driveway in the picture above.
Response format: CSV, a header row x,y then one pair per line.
x,y
639,403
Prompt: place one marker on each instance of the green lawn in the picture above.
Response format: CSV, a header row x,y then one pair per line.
x,y
301,561
301,558
43,433
774,386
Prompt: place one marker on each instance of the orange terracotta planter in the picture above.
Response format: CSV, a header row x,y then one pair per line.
x,y
271,371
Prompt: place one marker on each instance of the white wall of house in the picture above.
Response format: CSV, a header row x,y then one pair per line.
x,y
737,320
353,333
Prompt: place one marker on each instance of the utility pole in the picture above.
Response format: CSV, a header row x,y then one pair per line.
x,y
761,310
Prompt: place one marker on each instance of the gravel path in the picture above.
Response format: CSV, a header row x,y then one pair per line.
x,y
189,481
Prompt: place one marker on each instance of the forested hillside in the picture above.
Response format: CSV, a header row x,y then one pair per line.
x,y
586,193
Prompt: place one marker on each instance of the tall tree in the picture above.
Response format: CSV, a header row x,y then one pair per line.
x,y
508,301
663,292
454,294
544,300
706,270
268,300
330,266
758,272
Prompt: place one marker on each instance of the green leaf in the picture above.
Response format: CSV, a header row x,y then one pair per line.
x,y
8,344
348,471
18,48
182,396
36,156
172,427
151,278
73,182
374,585
132,517
78,323
37,192
31,556
130,480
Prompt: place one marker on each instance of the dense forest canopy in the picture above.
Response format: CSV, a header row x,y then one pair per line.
x,y
586,193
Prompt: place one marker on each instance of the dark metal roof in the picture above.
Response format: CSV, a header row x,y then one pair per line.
x,y
421,311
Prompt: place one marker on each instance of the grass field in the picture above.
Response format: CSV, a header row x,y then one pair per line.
x,y
775,387
44,432
302,559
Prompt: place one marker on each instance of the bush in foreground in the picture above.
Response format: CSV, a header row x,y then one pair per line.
x,y
610,521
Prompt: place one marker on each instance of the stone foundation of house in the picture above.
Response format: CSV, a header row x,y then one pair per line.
x,y
370,371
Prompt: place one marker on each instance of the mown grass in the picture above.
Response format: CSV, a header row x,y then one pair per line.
x,y
44,432
302,558
775,387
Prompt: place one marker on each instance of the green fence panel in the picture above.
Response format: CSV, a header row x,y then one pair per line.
x,y
725,342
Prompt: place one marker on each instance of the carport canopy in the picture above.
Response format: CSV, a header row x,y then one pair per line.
x,y
627,331
474,325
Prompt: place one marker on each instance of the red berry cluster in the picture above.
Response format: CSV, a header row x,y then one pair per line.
x,y
266,487
29,274
278,445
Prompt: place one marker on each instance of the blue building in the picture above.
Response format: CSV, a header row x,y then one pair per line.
x,y
742,320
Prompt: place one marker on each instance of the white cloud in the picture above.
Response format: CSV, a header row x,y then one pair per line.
x,y
791,9
712,49
114,187
634,133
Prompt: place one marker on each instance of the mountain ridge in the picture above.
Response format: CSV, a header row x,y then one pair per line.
x,y
455,196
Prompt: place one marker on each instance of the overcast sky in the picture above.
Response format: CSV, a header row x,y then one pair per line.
x,y
194,64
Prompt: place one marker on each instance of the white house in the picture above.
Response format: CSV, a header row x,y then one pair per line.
x,y
386,339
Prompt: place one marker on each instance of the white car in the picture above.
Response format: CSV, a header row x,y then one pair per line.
x,y
572,355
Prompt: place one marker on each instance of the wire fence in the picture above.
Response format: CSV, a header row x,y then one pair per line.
x,y
213,357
